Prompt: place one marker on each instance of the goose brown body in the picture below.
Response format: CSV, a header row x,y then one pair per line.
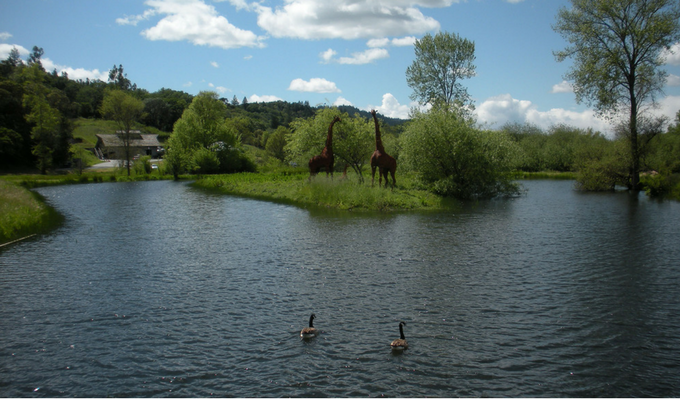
x,y
401,343
310,331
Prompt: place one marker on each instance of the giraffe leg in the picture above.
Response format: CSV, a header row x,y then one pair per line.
x,y
372,175
394,181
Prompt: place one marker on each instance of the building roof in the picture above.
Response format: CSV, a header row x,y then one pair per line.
x,y
138,139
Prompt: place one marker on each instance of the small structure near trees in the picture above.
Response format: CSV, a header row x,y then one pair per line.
x,y
111,146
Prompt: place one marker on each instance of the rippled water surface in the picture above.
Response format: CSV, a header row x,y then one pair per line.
x,y
158,289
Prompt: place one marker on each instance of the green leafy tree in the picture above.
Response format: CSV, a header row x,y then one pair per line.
x,y
356,142
35,57
453,158
15,134
617,47
601,164
8,65
441,63
126,111
157,114
276,143
44,118
664,154
203,141
119,79
352,139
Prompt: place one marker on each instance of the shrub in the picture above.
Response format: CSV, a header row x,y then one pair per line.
x,y
601,165
206,161
453,158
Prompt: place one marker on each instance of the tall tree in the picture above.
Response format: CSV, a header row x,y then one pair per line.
x,y
617,47
119,78
8,65
441,63
126,111
352,138
35,56
44,118
203,141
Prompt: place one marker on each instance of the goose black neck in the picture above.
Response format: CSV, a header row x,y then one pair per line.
x,y
401,331
311,318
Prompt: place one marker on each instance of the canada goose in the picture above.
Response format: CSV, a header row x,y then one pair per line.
x,y
310,331
401,343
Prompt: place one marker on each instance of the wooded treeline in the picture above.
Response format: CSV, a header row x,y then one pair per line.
x,y
25,86
38,109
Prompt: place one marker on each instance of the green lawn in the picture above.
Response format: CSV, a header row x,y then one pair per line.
x,y
23,212
344,194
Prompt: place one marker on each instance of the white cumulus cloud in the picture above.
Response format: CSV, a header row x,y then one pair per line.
x,y
263,99
327,55
239,4
562,87
364,57
49,65
347,19
668,107
405,41
672,56
6,48
498,110
341,101
215,64
673,80
314,85
390,107
193,21
5,35
382,42
135,19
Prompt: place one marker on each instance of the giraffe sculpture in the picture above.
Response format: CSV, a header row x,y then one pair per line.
x,y
380,159
325,159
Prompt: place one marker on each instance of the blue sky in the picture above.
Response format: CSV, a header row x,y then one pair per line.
x,y
334,52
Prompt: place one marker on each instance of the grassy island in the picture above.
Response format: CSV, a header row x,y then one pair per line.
x,y
345,194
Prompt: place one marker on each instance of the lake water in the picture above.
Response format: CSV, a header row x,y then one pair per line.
x,y
159,289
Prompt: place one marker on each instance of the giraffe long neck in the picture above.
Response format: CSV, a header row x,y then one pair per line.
x,y
329,138
378,141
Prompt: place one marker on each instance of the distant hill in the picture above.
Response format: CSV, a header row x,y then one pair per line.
x,y
351,110
270,115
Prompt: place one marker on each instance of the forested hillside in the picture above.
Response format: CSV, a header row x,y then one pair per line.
x,y
38,109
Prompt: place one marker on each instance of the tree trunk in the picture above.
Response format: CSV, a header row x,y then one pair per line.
x,y
634,148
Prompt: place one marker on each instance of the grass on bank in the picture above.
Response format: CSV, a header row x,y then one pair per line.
x,y
345,194
23,213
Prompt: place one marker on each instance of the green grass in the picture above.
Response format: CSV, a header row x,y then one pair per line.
x,y
545,175
23,213
344,194
86,129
